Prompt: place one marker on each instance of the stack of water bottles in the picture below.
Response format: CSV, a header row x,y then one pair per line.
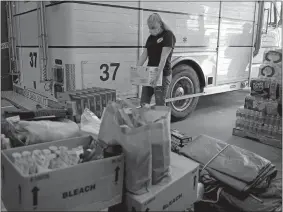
x,y
262,112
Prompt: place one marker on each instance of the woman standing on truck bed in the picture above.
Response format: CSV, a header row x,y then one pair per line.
x,y
159,48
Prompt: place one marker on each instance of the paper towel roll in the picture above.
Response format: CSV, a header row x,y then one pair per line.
x,y
200,191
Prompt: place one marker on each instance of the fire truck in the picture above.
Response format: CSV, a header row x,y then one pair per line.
x,y
63,46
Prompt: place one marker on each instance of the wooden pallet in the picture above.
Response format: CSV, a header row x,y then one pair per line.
x,y
262,139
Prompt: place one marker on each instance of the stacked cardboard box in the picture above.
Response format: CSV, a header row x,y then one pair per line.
x,y
88,186
141,75
179,193
261,113
94,99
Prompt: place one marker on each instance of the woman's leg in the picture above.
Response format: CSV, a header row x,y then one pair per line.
x,y
161,91
146,95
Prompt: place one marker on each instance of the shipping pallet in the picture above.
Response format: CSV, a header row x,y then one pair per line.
x,y
262,139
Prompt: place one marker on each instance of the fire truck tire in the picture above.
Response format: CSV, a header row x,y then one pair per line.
x,y
184,81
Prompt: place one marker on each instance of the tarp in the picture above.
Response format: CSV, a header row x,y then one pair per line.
x,y
235,168
269,200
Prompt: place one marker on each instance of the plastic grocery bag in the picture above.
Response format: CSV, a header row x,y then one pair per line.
x,y
127,129
90,123
109,127
161,141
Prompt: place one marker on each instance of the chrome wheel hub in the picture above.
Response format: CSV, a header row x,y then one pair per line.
x,y
182,86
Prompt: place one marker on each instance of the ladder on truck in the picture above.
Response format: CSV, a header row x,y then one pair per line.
x,y
21,97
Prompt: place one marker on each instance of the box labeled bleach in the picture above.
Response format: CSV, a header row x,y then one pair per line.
x,y
179,193
89,186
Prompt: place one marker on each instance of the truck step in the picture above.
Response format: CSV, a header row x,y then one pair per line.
x,y
262,139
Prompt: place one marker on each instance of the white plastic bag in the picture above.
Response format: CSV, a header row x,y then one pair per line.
x,y
109,127
45,131
90,123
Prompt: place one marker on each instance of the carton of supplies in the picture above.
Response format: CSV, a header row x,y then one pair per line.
x,y
141,75
265,88
268,107
178,140
65,175
94,99
175,194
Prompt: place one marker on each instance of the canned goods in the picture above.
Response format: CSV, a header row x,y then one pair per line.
x,y
269,131
280,130
243,114
253,127
264,130
259,129
267,120
247,115
273,121
245,125
238,113
238,124
256,116
249,127
274,131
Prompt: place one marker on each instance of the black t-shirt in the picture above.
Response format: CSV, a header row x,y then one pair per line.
x,y
154,45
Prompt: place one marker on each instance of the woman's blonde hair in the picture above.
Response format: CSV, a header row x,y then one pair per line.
x,y
156,18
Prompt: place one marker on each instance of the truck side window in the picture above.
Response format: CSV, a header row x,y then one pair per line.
x,y
276,14
280,14
272,16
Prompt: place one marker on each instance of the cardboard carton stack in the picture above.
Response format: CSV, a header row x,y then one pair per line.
x,y
86,186
261,114
94,99
141,75
177,194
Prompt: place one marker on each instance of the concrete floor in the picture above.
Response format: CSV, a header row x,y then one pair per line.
x,y
215,116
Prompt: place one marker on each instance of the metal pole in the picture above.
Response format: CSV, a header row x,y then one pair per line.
x,y
252,48
42,23
140,38
9,34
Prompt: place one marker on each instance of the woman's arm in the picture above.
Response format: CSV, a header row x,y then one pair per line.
x,y
143,58
164,55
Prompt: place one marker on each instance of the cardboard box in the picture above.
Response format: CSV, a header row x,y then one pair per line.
x,y
96,183
141,75
77,99
253,103
91,102
260,87
103,96
176,195
85,102
98,105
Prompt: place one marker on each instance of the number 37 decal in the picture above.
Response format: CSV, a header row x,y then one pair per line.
x,y
105,71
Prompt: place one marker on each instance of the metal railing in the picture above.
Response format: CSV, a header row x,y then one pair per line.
x,y
42,41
